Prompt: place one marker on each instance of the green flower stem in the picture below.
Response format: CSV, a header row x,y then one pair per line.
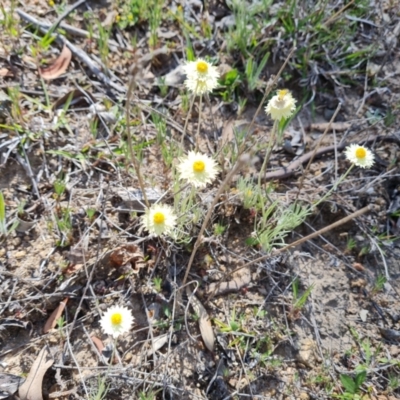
x,y
198,125
239,163
274,79
271,144
335,186
187,119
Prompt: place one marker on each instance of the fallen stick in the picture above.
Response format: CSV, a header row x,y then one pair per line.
x,y
220,287
291,169
313,235
65,14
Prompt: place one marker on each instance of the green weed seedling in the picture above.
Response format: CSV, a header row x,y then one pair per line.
x,y
352,386
298,301
14,95
364,250
161,127
102,43
59,188
162,86
10,27
236,328
39,48
253,72
228,85
276,222
379,284
394,381
60,323
234,325
244,33
102,389
151,395
351,244
219,229
157,282
64,225
90,213
133,12
155,18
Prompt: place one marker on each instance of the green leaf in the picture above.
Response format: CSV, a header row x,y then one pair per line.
x,y
348,383
190,56
234,326
252,241
230,77
360,378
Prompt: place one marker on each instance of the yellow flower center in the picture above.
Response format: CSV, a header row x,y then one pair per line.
x,y
116,318
361,152
282,93
158,218
202,67
198,166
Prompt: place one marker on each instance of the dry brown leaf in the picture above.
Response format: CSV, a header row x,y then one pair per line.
x,y
5,72
55,315
358,266
100,347
205,326
58,67
32,387
127,253
98,343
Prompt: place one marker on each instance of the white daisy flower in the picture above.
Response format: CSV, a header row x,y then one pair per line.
x,y
359,155
116,321
282,105
198,169
159,219
202,77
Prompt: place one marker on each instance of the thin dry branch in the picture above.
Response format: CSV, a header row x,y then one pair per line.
x,y
76,51
291,169
314,234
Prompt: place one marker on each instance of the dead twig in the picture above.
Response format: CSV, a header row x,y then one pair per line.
x,y
314,234
65,15
296,243
77,52
285,172
317,147
335,16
